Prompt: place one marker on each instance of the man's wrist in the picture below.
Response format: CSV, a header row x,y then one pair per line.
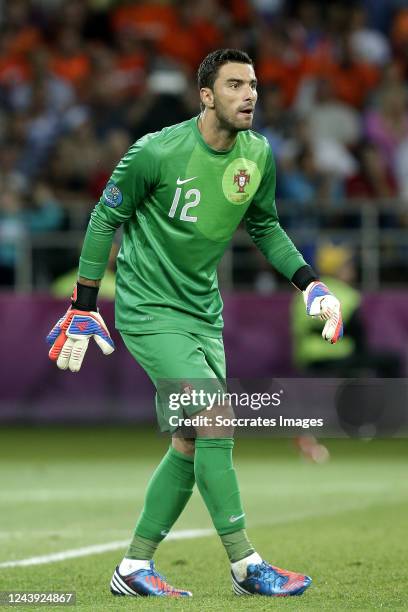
x,y
84,297
89,282
303,277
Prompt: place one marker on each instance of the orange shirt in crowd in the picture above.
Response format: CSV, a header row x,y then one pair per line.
x,y
189,43
186,43
240,10
351,82
133,67
151,20
14,56
13,70
25,40
74,69
284,73
399,30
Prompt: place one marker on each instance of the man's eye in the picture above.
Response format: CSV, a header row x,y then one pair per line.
x,y
234,85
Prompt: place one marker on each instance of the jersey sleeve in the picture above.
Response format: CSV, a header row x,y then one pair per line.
x,y
134,177
262,224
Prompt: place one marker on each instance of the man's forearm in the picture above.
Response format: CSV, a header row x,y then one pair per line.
x,y
96,249
278,249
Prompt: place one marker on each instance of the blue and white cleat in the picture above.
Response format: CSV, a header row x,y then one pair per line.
x,y
269,580
144,583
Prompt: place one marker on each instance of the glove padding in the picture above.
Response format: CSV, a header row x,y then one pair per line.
x,y
69,338
320,302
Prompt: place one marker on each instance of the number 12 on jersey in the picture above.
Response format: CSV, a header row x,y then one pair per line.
x,y
191,197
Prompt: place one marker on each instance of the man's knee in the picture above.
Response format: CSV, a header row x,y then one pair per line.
x,y
218,423
184,445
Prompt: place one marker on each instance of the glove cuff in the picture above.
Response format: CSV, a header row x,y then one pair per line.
x,y
84,297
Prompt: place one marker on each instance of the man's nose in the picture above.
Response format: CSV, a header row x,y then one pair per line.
x,y
250,93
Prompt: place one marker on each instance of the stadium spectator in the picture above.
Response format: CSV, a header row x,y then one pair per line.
x,y
152,20
17,220
107,94
69,61
63,285
330,118
169,98
194,33
12,232
69,170
399,38
41,129
26,36
354,357
368,45
279,62
274,120
132,59
116,145
301,181
313,169
13,67
306,28
373,179
387,124
351,79
59,94
9,155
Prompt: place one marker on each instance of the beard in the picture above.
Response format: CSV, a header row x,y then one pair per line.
x,y
229,122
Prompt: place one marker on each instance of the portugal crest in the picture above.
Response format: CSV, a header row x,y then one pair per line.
x,y
242,178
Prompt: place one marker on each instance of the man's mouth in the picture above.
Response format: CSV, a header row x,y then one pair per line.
x,y
247,111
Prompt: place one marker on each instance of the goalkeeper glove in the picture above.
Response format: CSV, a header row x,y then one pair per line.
x,y
69,338
320,302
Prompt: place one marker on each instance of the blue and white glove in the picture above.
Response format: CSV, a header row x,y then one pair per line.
x,y
321,303
69,338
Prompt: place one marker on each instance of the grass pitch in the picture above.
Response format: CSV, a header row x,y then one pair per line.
x,y
344,522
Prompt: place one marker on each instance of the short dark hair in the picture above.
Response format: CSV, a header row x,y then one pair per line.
x,y
208,69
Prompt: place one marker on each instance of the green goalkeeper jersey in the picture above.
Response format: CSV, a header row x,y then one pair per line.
x,y
180,202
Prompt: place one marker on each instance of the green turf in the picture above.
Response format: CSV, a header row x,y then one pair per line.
x,y
344,523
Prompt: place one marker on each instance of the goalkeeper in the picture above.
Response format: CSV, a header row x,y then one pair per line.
x,y
180,194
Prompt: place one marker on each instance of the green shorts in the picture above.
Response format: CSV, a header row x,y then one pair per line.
x,y
174,361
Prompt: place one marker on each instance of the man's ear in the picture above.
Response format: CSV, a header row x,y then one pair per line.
x,y
207,97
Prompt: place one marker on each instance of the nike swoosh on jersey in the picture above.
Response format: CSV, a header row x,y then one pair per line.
x,y
181,182
233,519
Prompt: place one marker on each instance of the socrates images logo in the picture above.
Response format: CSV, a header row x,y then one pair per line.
x,y
241,180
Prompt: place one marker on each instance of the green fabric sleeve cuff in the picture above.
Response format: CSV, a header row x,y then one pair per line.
x,y
91,269
214,443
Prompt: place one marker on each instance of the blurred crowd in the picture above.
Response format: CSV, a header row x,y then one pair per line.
x,y
80,80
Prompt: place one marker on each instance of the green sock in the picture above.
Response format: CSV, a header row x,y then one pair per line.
x,y
237,545
217,482
167,493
